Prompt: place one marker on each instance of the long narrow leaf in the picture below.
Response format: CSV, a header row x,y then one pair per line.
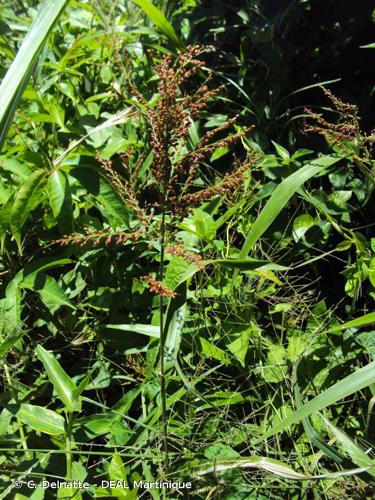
x,y
149,330
274,467
366,319
158,18
280,198
17,76
354,382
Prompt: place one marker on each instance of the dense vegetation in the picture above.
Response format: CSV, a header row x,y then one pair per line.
x,y
187,268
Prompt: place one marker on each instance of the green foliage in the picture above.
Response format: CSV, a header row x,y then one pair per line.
x,y
184,294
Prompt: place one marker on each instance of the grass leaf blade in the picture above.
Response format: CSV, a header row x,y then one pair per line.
x,y
354,382
17,76
280,198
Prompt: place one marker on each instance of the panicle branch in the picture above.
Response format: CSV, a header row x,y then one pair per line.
x,y
346,133
96,237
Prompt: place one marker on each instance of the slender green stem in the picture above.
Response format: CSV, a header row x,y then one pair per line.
x,y
163,334
23,437
68,442
19,423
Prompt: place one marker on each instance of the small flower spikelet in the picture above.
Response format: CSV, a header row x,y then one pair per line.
x,y
96,237
158,287
179,251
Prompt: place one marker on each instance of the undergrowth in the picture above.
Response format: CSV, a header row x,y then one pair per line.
x,y
185,301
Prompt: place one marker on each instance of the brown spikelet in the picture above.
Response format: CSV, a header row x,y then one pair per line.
x,y
179,251
158,288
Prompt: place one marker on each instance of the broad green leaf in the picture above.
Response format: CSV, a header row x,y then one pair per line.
x,y
212,351
82,385
5,215
220,451
302,224
354,382
149,477
274,369
124,404
223,398
116,469
24,202
297,344
158,18
280,197
117,119
176,271
68,493
239,347
52,295
10,341
41,419
45,263
281,151
17,76
62,383
60,199
5,419
96,425
102,191
219,152
204,225
367,340
15,167
11,308
79,473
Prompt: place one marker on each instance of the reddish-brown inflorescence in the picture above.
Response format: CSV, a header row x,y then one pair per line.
x,y
97,237
175,161
158,287
346,130
179,251
229,184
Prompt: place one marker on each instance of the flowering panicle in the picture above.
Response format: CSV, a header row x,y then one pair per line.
x,y
175,161
97,237
158,287
179,251
345,132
